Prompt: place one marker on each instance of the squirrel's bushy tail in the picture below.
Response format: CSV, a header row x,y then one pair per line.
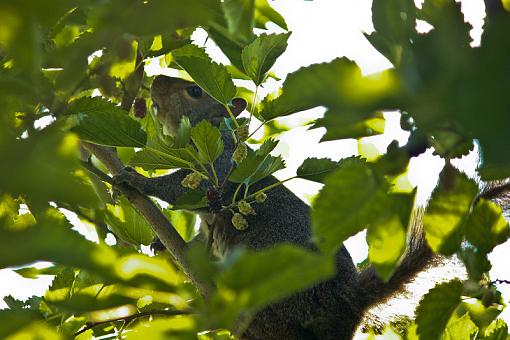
x,y
372,290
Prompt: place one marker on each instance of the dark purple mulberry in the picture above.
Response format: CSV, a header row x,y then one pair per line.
x,y
213,199
140,107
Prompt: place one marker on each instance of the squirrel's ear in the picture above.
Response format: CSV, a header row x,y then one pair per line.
x,y
237,105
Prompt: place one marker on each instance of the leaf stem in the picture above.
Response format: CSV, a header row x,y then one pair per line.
x,y
90,325
235,194
257,129
253,104
252,196
231,115
246,188
214,174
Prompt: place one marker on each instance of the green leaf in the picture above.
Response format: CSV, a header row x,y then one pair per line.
x,y
475,261
448,210
436,308
461,328
207,139
12,321
53,155
14,304
240,17
52,239
264,13
259,56
128,224
213,78
394,19
150,159
228,45
346,125
480,314
394,23
486,226
251,279
316,169
497,330
352,197
101,122
386,237
183,134
257,165
190,200
183,221
338,85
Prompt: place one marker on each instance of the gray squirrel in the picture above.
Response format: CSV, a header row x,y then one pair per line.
x,y
329,310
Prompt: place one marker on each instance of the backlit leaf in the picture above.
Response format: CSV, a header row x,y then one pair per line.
x,y
259,56
101,122
436,308
353,196
316,169
128,224
213,78
448,210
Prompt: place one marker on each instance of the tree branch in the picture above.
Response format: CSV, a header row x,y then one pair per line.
x,y
91,168
158,221
160,224
90,325
495,192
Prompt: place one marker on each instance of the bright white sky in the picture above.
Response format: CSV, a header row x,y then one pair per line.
x,y
321,31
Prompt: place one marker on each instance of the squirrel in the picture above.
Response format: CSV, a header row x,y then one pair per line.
x,y
329,310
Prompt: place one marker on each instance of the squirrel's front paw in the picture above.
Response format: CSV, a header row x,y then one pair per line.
x,y
124,181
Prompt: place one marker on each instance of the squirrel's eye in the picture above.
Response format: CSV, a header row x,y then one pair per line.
x,y
194,91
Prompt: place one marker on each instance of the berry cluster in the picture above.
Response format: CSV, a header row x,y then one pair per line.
x,y
240,153
192,180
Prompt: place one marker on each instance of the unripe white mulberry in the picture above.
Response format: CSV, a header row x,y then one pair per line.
x,y
239,222
260,197
245,208
240,153
242,133
192,180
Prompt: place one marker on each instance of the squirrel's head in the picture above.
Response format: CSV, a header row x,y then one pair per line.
x,y
175,97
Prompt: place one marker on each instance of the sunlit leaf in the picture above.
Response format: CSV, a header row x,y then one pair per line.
x,y
352,197
497,330
213,78
183,221
386,237
264,13
183,134
448,210
101,122
128,224
239,15
52,239
338,85
54,155
164,158
207,139
436,308
253,279
486,227
316,169
341,126
259,56
462,328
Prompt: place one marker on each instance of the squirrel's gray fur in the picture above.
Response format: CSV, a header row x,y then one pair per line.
x,y
329,310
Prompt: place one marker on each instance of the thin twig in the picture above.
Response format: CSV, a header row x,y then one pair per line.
x,y
500,281
126,319
496,191
91,168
